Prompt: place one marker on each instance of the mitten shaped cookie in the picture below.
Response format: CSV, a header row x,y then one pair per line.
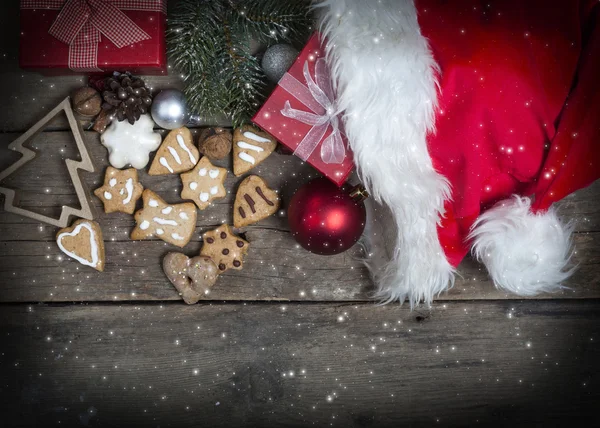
x,y
121,190
176,154
83,242
254,201
174,224
204,183
250,147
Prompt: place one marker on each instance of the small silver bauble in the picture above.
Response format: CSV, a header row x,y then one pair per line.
x,y
169,109
277,60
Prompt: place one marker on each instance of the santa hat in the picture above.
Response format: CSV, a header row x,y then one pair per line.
x,y
467,123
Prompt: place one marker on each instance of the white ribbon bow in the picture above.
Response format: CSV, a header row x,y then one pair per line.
x,y
319,97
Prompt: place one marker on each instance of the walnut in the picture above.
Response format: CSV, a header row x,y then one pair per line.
x,y
87,102
215,143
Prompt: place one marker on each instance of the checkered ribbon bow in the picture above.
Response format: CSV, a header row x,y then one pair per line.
x,y
80,24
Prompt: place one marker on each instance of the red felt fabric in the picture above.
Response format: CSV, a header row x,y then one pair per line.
x,y
519,104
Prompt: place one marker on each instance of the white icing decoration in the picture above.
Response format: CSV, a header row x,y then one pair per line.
x,y
112,182
214,190
177,236
93,245
184,216
204,196
184,147
202,172
246,157
167,210
164,163
164,221
122,192
129,187
159,231
131,144
174,154
253,136
213,173
193,185
153,203
107,196
244,145
145,225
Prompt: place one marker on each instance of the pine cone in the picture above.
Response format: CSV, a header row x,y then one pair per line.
x,y
126,96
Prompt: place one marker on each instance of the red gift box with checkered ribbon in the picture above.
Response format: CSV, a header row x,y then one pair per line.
x,y
89,36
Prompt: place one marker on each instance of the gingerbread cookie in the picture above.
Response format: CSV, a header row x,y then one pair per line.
x,y
204,183
224,248
250,147
83,242
176,154
192,277
254,201
174,224
120,191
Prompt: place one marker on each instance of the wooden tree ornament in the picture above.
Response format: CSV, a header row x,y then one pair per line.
x,y
11,197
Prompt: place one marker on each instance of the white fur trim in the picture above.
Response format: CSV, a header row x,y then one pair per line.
x,y
525,253
386,80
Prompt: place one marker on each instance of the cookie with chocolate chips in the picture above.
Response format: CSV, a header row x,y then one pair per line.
x,y
254,201
224,248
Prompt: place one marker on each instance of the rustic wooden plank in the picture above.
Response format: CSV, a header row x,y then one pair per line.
x,y
277,269
488,363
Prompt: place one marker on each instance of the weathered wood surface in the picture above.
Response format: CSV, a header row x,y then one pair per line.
x,y
461,364
33,269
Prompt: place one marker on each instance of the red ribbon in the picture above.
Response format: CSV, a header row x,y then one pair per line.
x,y
80,24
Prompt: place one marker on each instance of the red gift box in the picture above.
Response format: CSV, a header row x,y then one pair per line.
x,y
85,36
301,114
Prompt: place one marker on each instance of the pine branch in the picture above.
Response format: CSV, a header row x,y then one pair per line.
x,y
209,46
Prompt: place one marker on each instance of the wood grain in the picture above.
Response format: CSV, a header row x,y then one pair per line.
x,y
33,269
460,364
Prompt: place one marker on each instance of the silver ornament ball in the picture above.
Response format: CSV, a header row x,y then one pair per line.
x,y
169,109
277,60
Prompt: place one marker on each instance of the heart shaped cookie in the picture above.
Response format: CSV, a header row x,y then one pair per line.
x,y
254,201
250,147
83,242
192,277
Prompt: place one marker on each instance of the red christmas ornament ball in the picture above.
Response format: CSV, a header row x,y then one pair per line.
x,y
325,219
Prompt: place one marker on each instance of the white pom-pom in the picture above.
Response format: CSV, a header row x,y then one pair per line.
x,y
525,253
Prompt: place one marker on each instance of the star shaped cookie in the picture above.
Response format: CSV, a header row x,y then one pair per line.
x,y
224,248
203,183
174,224
121,190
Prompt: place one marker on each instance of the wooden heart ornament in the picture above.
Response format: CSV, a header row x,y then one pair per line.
x,y
192,277
83,242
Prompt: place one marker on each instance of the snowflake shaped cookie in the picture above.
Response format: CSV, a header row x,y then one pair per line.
x,y
131,144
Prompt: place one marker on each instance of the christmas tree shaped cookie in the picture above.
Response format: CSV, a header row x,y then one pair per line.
x,y
250,147
204,183
176,154
174,224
